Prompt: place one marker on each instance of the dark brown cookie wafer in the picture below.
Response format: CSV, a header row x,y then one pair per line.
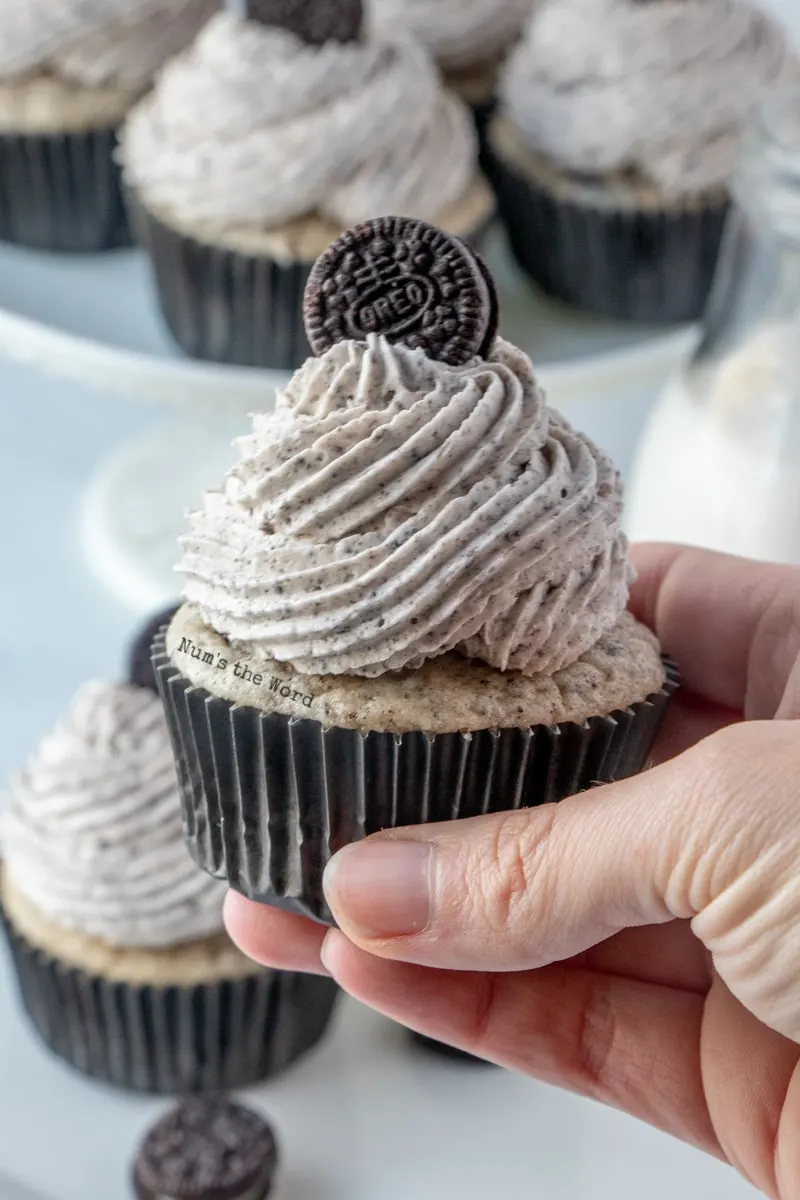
x,y
207,1148
406,280
313,21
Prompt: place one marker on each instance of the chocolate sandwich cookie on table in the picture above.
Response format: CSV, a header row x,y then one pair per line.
x,y
69,74
423,565
117,938
207,1148
263,142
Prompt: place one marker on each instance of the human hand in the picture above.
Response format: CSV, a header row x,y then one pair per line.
x,y
639,943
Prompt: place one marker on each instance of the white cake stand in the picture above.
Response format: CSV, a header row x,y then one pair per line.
x,y
93,320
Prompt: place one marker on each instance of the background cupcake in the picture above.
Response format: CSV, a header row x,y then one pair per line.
x,y
257,148
117,938
69,72
468,38
618,132
406,603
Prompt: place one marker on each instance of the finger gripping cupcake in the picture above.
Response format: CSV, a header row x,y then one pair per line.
x,y
122,960
407,601
69,73
614,148
257,149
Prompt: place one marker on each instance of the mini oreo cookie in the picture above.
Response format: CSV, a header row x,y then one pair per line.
x,y
207,1148
140,663
408,281
313,21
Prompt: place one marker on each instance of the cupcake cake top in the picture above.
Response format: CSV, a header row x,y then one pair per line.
x,y
412,493
656,87
459,33
254,126
107,42
92,832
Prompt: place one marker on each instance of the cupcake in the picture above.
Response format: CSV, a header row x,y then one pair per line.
x,y
406,603
468,38
69,73
614,144
262,143
116,936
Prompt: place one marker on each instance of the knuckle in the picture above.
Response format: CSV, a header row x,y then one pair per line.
x,y
596,1039
505,874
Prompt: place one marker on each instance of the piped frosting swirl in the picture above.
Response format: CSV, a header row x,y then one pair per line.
x,y
252,127
459,33
92,830
106,42
393,508
661,88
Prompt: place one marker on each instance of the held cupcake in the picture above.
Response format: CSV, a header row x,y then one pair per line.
x,y
262,143
116,936
407,601
468,38
69,73
615,141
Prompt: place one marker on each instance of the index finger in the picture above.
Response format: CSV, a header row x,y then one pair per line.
x,y
732,624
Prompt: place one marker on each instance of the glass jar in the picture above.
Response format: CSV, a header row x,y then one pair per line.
x,y
719,462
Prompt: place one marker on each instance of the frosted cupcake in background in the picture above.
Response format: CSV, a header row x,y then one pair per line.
x,y
468,38
615,142
262,143
69,73
406,602
116,936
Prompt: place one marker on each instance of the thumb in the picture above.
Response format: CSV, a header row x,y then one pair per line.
x,y
712,835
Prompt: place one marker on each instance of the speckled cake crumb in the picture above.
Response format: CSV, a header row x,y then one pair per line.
x,y
446,694
204,961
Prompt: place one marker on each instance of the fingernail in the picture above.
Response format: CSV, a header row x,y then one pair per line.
x,y
381,889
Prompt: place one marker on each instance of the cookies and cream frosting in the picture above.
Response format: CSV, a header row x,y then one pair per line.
x,y
393,508
459,33
659,87
252,127
91,833
97,43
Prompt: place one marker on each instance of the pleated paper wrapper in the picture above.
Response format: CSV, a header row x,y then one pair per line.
x,y
206,1037
62,192
268,799
645,265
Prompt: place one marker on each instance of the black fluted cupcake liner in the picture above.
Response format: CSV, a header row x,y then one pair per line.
x,y
641,265
268,799
171,1039
62,192
226,306
223,305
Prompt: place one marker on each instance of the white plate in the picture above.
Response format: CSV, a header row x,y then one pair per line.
x,y
94,319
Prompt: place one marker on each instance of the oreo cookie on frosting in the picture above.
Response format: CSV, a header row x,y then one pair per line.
x,y
407,281
313,21
207,1149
